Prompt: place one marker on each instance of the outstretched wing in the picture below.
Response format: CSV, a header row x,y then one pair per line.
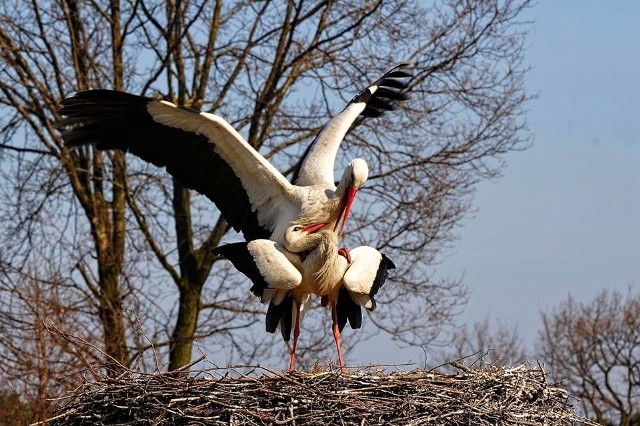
x,y
200,150
316,165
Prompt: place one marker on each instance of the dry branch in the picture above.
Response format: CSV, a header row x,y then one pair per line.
x,y
493,396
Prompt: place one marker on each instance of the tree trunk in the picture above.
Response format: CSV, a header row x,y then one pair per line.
x,y
190,284
182,338
111,318
110,239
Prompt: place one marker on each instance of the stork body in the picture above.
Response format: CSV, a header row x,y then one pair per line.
x,y
205,153
308,264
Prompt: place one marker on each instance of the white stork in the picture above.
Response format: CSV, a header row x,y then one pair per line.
x,y
205,153
309,263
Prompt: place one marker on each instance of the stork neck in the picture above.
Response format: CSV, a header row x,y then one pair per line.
x,y
342,187
309,242
317,166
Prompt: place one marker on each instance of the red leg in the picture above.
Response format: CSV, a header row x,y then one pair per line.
x,y
336,335
345,253
296,333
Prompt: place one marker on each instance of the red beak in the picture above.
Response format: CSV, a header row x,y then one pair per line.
x,y
349,196
310,229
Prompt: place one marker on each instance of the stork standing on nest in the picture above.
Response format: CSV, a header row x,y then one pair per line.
x,y
205,153
309,263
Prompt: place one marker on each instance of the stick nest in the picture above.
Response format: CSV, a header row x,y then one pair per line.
x,y
493,396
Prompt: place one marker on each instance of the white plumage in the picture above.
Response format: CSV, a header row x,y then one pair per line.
x,y
343,285
205,153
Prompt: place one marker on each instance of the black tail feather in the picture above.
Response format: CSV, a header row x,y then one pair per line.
x,y
349,310
281,314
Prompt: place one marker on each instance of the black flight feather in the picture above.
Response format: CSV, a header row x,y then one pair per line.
x,y
117,120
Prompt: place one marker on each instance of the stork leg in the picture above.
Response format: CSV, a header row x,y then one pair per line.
x,y
296,333
336,334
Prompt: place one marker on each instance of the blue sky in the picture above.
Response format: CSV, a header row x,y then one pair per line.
x,y
565,216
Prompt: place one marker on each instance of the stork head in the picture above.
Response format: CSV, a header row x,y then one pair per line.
x,y
353,178
295,234
355,174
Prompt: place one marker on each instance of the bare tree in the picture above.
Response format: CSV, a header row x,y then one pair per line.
x,y
46,51
13,410
482,344
594,348
34,363
131,245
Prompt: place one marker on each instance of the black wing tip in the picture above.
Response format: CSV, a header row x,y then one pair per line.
x,y
223,250
348,310
112,119
237,253
401,70
381,275
281,314
383,94
94,116
388,262
102,98
272,319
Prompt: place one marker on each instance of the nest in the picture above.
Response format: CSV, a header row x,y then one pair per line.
x,y
493,396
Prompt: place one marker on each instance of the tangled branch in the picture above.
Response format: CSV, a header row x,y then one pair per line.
x,y
493,396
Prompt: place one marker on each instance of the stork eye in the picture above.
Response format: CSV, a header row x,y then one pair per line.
x,y
297,228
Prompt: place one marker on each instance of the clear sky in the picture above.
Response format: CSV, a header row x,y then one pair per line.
x,y
565,216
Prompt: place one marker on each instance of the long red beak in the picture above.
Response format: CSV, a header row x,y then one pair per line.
x,y
349,196
310,229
